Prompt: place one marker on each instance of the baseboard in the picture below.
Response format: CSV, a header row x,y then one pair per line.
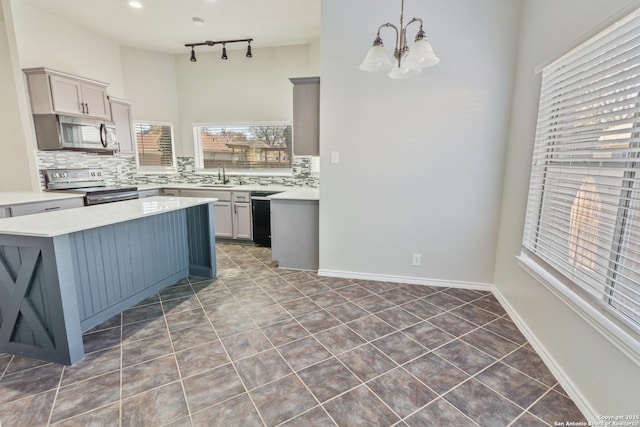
x,y
407,279
564,379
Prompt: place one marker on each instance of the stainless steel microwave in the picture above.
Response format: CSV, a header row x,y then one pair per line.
x,y
59,132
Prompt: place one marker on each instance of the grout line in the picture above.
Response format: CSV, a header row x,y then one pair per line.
x,y
55,397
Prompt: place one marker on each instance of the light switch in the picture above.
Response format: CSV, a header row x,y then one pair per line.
x,y
335,157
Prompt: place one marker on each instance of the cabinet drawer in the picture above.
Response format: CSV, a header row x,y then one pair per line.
x,y
241,197
170,192
223,196
53,205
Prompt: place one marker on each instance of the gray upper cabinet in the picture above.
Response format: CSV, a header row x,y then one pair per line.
x,y
306,116
60,93
121,116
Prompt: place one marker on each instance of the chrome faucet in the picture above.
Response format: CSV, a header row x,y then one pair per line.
x,y
224,175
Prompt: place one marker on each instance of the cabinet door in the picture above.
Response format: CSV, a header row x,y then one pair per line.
x,y
95,100
242,220
66,95
223,219
121,116
306,116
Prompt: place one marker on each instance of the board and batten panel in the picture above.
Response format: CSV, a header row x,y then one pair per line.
x,y
201,240
120,261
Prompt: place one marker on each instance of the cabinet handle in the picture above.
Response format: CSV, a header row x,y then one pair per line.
x,y
87,105
82,107
235,209
52,208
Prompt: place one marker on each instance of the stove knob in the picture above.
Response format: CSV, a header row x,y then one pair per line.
x,y
99,173
93,174
64,174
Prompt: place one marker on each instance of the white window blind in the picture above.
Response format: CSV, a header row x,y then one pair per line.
x,y
154,144
583,212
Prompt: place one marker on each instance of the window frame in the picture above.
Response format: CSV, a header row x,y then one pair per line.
x,y
199,155
602,315
155,170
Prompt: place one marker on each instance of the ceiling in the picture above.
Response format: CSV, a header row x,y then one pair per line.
x,y
166,25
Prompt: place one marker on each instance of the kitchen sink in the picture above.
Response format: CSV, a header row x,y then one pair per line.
x,y
218,185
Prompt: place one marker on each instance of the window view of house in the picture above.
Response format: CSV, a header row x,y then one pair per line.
x,y
154,142
250,146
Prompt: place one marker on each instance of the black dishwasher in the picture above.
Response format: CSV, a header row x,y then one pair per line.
x,y
261,212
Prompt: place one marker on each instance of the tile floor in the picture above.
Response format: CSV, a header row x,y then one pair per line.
x,y
262,346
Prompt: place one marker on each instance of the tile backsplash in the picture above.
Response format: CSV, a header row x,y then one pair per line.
x,y
121,169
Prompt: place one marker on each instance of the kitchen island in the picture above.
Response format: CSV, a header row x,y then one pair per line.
x,y
64,272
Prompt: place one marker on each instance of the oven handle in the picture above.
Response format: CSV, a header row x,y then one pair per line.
x,y
92,200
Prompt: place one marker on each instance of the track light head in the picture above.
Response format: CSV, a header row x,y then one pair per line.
x,y
249,55
193,55
224,52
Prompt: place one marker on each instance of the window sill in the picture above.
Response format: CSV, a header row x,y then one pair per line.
x,y
157,172
625,340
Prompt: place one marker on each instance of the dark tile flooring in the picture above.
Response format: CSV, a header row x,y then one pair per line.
x,y
263,346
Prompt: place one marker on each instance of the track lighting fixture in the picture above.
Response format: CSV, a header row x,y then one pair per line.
x,y
224,47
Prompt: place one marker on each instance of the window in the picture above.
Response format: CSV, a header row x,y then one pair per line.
x,y
154,146
583,213
244,147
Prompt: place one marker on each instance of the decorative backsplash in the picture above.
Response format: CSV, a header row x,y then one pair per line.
x,y
120,169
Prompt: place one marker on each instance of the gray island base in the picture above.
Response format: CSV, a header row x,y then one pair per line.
x,y
62,273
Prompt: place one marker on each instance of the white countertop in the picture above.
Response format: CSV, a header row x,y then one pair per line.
x,y
18,197
302,193
287,192
67,221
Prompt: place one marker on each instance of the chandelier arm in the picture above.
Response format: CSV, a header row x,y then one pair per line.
x,y
396,51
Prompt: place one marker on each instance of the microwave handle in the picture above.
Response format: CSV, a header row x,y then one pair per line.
x,y
103,135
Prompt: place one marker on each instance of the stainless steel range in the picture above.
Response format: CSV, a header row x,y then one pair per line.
x,y
90,182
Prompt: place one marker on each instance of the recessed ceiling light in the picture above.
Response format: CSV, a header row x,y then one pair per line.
x,y
198,22
135,4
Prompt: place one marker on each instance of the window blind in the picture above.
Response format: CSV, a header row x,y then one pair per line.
x,y
583,212
154,142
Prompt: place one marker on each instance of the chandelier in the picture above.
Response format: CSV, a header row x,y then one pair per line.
x,y
408,62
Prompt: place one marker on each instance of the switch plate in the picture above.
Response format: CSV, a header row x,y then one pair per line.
x,y
335,157
417,259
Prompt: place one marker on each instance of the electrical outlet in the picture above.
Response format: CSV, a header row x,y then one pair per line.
x,y
417,259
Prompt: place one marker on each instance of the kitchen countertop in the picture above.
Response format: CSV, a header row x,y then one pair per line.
x,y
19,197
57,223
287,192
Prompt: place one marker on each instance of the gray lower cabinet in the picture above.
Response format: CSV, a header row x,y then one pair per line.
x,y
223,219
49,205
148,193
171,192
4,213
294,233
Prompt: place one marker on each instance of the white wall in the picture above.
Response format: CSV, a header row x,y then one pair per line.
x,y
47,41
604,379
150,84
17,150
421,160
238,89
